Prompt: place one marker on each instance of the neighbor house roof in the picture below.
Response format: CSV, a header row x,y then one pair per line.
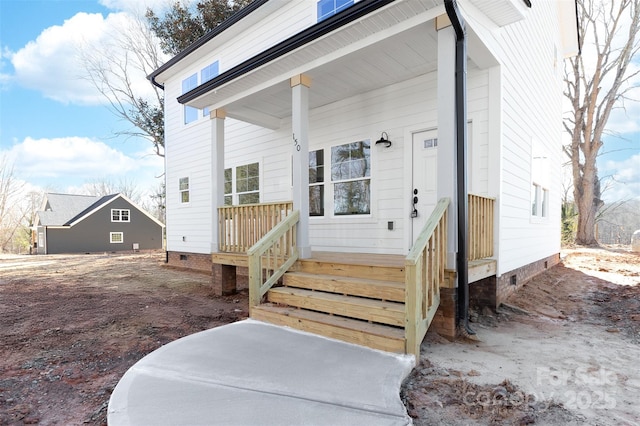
x,y
59,209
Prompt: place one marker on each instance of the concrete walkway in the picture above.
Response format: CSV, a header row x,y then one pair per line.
x,y
252,373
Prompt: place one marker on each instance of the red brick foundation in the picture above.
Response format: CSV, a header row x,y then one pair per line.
x,y
511,281
444,321
194,261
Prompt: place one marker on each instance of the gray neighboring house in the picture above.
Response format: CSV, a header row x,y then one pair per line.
x,y
88,224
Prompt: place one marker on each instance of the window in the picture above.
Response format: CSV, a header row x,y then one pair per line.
x,y
350,175
242,184
228,187
540,201
327,8
208,73
190,113
316,183
184,189
116,237
120,215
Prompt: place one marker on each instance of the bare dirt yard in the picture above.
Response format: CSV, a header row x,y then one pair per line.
x,y
566,349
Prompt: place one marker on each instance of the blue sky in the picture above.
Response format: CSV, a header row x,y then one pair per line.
x,y
54,126
60,134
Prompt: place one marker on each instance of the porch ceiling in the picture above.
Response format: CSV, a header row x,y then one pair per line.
x,y
395,44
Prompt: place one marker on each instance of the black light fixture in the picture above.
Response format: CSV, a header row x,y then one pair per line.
x,y
384,138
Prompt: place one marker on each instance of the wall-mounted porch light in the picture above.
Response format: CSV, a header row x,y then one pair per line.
x,y
384,138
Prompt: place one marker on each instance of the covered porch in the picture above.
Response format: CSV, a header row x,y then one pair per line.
x,y
383,301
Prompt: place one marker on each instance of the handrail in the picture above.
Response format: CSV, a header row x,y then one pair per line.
x,y
424,272
481,216
271,257
240,227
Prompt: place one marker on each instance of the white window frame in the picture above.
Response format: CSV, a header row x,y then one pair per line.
x,y
321,184
333,182
345,4
186,190
113,234
235,194
117,215
190,114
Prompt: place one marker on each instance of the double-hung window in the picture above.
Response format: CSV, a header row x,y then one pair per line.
x,y
351,178
539,201
316,183
327,8
208,73
120,215
539,183
242,184
190,113
183,188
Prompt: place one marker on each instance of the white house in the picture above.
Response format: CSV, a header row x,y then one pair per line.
x,y
345,111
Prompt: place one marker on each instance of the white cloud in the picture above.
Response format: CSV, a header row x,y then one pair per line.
x,y
77,157
625,179
53,63
134,5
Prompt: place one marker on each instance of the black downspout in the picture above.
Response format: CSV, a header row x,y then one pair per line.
x,y
461,164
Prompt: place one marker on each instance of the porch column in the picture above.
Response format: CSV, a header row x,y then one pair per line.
x,y
217,117
300,147
447,130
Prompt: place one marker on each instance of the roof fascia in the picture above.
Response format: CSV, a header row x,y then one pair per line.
x,y
109,201
224,25
304,37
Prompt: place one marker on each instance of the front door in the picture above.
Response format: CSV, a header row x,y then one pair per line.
x,y
424,190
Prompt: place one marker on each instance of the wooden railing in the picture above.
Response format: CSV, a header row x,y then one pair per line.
x,y
240,227
424,272
480,227
271,257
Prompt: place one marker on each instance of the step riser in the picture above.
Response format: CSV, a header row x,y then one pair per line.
x,y
386,273
335,332
347,286
384,313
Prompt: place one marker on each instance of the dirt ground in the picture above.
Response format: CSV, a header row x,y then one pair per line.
x,y
70,326
564,351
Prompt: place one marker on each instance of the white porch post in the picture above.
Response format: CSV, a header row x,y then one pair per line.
x,y
300,147
447,130
217,172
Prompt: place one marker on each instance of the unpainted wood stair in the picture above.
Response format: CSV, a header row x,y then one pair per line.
x,y
354,302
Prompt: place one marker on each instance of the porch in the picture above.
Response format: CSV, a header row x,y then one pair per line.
x,y
383,301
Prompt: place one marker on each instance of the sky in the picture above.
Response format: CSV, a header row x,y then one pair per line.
x,y
54,126
61,136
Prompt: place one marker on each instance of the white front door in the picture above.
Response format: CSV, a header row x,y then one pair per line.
x,y
424,195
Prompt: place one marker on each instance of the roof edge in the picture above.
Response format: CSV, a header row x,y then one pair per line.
x,y
224,25
302,38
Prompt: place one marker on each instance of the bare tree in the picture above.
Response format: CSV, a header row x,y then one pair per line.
x,y
11,215
112,67
124,186
609,37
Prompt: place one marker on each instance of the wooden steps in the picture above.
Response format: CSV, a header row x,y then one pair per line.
x,y
359,301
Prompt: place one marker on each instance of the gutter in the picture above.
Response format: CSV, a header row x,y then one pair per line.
x,y
462,264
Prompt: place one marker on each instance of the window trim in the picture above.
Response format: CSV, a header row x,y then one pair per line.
x,y
333,182
112,234
336,9
235,194
321,184
119,214
187,190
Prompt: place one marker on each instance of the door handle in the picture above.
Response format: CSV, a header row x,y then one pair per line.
x,y
414,212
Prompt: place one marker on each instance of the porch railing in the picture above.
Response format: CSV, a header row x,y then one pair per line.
x,y
271,257
481,210
424,272
240,227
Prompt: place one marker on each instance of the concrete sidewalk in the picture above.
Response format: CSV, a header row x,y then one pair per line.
x,y
253,373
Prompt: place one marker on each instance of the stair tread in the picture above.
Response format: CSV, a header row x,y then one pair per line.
x,y
364,287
